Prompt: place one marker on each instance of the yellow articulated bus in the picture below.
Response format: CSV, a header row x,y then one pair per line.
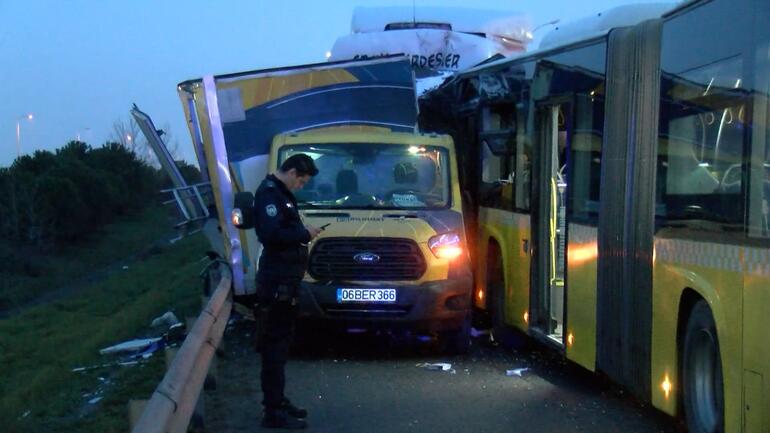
x,y
621,184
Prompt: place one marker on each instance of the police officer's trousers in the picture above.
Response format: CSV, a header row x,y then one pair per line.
x,y
276,339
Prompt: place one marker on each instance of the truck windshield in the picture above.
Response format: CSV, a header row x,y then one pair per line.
x,y
374,176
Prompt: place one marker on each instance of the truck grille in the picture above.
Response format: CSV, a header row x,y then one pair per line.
x,y
335,259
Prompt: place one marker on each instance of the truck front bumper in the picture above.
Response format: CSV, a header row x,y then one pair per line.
x,y
430,307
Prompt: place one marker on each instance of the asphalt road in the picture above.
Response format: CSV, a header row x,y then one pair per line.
x,y
373,383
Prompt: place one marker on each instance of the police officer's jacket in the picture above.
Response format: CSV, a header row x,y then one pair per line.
x,y
281,232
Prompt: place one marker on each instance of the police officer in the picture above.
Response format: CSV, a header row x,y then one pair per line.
x,y
281,268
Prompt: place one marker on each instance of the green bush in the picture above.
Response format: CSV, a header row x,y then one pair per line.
x,y
48,198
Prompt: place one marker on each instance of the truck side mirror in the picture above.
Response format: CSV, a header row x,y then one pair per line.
x,y
242,215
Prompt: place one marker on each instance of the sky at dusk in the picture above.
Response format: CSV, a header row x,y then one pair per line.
x,y
78,65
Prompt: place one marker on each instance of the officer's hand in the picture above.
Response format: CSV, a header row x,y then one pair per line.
x,y
313,230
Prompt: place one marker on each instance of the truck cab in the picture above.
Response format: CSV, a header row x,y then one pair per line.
x,y
393,253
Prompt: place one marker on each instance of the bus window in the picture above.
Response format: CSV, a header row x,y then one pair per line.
x,y
759,192
586,157
700,150
522,165
492,165
497,155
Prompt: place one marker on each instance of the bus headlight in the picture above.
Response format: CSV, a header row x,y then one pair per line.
x,y
446,246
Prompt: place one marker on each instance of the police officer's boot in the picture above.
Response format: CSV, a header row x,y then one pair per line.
x,y
296,412
280,418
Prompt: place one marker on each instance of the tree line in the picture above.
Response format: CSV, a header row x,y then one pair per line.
x,y
52,198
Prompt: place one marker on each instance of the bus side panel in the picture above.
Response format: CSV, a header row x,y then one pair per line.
x,y
519,269
508,230
756,352
714,272
582,256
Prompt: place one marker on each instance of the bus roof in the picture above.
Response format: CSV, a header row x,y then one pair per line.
x,y
584,30
603,22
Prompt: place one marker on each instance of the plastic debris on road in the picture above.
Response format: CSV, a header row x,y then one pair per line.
x,y
111,364
475,333
95,400
437,366
516,371
130,346
167,319
149,350
176,333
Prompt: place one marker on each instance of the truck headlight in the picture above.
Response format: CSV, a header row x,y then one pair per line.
x,y
236,216
446,245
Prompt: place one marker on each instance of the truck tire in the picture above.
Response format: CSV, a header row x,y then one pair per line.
x,y
703,392
458,342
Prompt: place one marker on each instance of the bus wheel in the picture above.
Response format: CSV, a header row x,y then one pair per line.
x,y
702,373
498,312
496,291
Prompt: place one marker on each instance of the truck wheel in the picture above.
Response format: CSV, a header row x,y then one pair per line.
x,y
702,373
458,342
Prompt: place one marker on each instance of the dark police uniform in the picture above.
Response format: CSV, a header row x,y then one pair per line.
x,y
281,268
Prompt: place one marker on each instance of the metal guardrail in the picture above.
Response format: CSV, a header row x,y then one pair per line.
x,y
173,402
191,203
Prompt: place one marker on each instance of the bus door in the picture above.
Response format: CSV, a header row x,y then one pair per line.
x,y
550,222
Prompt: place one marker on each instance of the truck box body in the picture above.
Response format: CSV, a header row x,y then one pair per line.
x,y
394,251
233,119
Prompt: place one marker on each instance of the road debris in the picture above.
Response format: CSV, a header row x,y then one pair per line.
x,y
130,346
437,366
168,319
110,364
516,371
475,333
176,333
149,350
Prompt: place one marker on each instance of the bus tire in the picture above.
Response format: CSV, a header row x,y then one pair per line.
x,y
496,292
703,392
499,328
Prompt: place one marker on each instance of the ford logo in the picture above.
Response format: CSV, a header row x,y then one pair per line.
x,y
365,258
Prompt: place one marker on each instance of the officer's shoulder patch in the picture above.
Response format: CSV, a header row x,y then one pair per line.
x,y
271,210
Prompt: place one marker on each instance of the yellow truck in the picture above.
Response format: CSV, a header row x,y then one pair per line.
x,y
394,252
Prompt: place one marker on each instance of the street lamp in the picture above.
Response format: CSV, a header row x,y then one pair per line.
x,y
28,117
86,130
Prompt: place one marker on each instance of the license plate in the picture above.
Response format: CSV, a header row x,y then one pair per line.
x,y
375,296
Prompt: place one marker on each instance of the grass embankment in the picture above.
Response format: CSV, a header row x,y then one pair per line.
x,y
40,347
28,274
